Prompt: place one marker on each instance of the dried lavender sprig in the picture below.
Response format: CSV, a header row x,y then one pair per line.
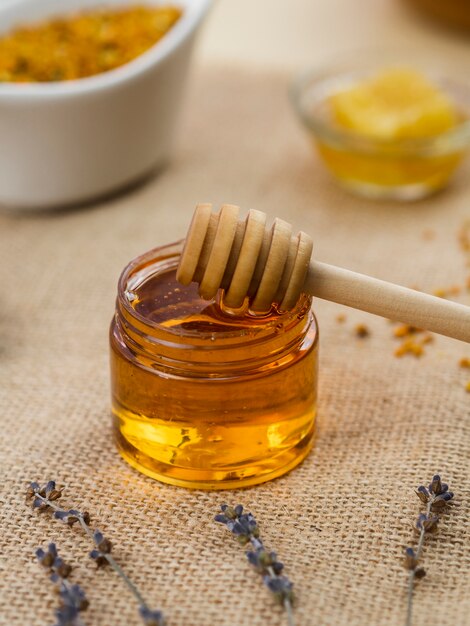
x,y
72,597
245,528
43,499
435,496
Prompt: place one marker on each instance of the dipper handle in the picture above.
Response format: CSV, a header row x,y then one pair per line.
x,y
245,258
388,300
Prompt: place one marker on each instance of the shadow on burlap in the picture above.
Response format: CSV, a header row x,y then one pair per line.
x,y
339,522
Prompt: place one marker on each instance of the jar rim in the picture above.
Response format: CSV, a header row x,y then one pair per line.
x,y
171,251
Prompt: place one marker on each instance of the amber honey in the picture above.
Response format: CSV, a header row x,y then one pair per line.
x,y
204,396
395,173
386,129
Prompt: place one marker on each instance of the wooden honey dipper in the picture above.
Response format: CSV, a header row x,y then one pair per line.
x,y
245,258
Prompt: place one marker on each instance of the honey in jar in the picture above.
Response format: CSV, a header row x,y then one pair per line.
x,y
204,396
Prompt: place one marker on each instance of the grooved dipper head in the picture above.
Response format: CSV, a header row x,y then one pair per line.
x,y
244,257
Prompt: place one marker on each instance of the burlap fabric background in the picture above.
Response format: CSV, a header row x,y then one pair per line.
x,y
341,520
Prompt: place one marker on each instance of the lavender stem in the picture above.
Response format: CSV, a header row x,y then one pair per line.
x,y
411,578
116,567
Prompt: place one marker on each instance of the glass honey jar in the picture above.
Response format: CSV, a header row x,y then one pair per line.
x,y
204,396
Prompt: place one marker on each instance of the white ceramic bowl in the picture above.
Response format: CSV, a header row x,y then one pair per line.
x,y
70,142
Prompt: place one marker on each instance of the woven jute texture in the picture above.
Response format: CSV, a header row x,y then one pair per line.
x,y
340,521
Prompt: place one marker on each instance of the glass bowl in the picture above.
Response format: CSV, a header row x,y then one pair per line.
x,y
402,169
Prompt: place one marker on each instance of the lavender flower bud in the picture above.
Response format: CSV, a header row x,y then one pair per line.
x,y
241,524
103,547
436,485
49,491
66,616
427,523
263,561
410,559
151,618
281,587
33,489
47,558
103,544
423,494
441,500
61,568
39,504
74,596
